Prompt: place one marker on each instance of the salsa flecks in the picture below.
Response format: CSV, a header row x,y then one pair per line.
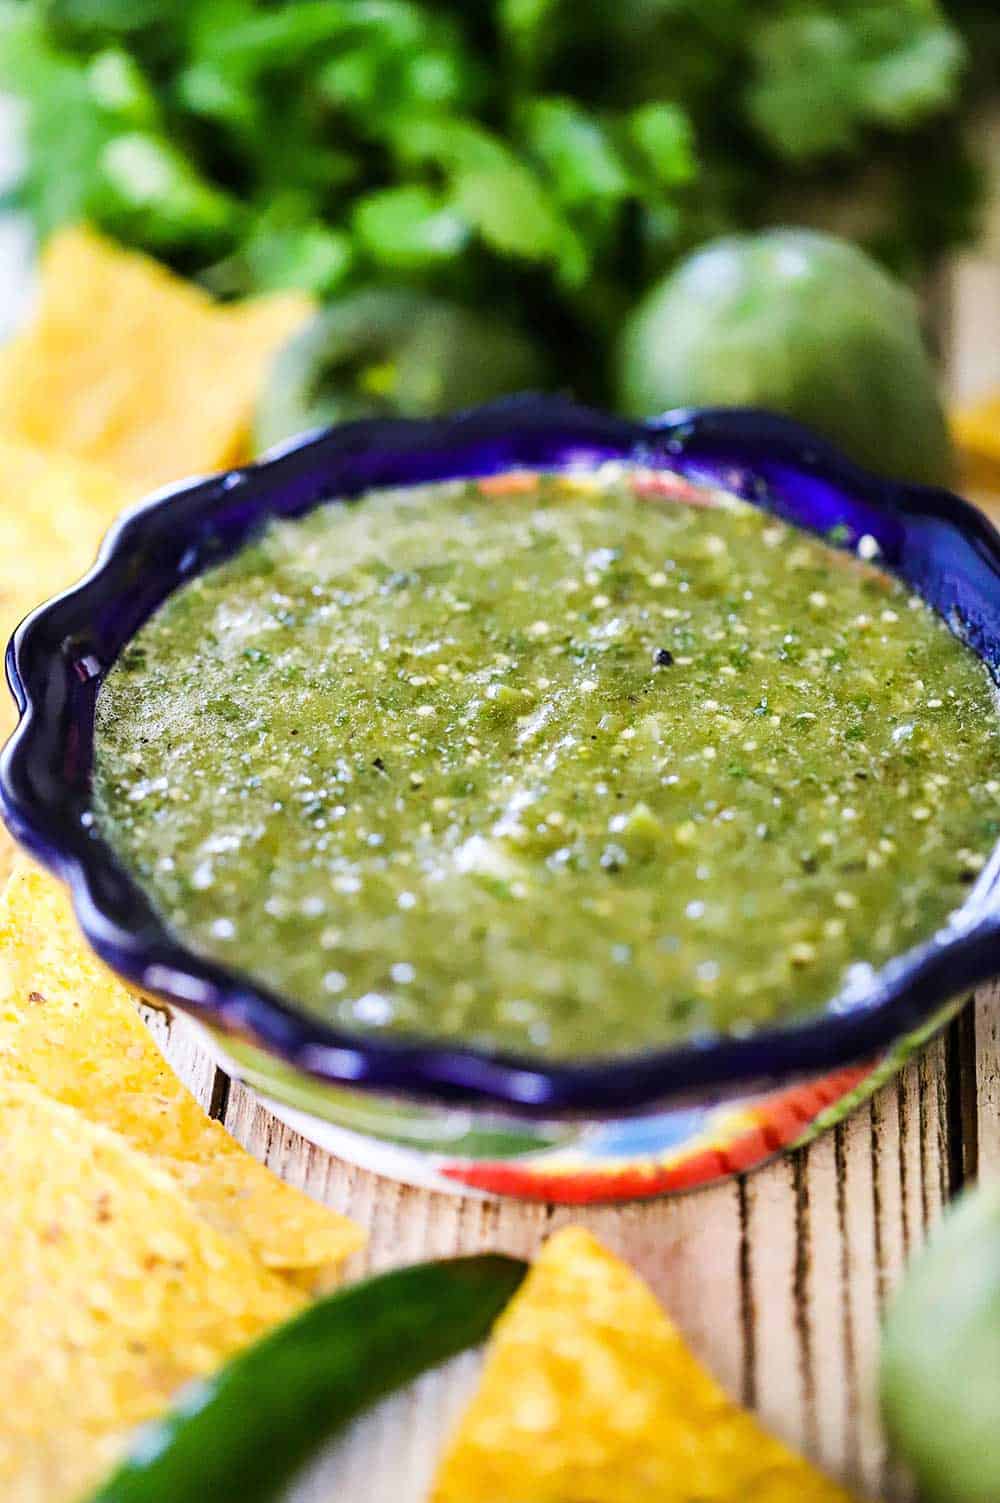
x,y
561,770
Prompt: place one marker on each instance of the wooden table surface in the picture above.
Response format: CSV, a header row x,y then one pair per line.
x,y
778,1279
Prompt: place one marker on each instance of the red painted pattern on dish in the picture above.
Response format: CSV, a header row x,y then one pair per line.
x,y
755,1135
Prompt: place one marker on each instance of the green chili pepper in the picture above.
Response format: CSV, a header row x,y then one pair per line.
x,y
238,1436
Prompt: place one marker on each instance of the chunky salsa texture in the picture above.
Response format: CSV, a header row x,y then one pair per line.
x,y
549,765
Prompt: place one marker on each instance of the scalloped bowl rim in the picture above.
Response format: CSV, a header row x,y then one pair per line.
x,y
60,653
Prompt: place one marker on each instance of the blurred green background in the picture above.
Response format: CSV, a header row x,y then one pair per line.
x,y
536,165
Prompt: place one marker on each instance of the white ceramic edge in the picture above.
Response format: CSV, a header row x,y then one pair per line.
x,y
378,1157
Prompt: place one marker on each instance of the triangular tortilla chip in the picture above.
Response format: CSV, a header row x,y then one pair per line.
x,y
131,368
113,1293
53,513
589,1393
68,1026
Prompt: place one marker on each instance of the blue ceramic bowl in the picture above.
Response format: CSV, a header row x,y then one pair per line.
x,y
943,548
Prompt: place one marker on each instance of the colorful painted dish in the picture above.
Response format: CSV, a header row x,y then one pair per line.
x,y
636,1120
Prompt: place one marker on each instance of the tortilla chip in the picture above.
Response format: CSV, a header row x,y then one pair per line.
x,y
113,1293
53,513
589,1392
70,1027
131,368
976,434
977,428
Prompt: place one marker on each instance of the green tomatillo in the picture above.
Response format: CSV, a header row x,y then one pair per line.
x,y
389,351
799,323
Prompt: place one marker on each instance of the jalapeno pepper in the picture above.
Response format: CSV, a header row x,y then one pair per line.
x,y
238,1436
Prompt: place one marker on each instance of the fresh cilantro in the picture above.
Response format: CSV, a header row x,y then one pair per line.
x,y
542,160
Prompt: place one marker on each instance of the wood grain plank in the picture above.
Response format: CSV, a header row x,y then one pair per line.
x,y
185,1054
859,1229
933,1131
826,1311
773,1197
986,1019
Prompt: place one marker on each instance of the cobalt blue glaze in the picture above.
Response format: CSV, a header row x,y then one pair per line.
x,y
940,545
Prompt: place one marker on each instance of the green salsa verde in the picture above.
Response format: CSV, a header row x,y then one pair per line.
x,y
551,766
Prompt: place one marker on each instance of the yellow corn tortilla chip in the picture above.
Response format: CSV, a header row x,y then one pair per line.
x,y
589,1393
53,513
113,1293
131,368
976,433
976,428
70,1027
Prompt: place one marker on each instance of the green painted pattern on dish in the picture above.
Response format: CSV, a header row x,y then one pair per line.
x,y
454,1131
564,772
